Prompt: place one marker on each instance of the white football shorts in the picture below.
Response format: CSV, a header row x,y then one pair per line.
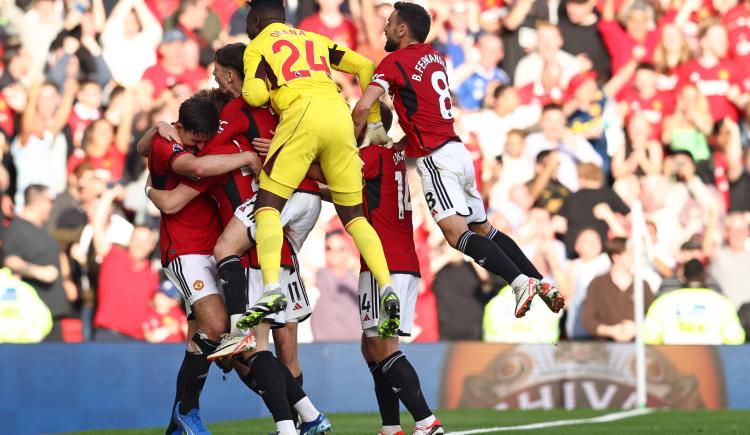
x,y
195,276
406,287
449,184
298,217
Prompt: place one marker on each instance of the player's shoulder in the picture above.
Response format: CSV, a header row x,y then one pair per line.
x,y
162,145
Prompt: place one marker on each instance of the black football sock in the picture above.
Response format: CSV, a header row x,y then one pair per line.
x,y
387,400
193,372
488,255
294,391
181,377
512,250
402,378
234,282
266,379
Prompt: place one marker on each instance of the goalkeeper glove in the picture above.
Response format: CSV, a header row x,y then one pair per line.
x,y
376,135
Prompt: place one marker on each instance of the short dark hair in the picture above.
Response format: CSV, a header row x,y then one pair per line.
x,y
551,106
386,116
33,192
694,271
216,96
416,18
268,8
542,156
199,115
615,246
231,56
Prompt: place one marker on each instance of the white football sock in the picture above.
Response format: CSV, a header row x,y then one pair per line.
x,y
390,430
233,319
306,410
271,287
520,281
286,427
426,422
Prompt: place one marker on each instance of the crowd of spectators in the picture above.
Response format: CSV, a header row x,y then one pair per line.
x,y
576,111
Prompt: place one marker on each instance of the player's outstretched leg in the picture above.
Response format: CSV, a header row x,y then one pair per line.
x,y
269,240
546,290
488,255
265,378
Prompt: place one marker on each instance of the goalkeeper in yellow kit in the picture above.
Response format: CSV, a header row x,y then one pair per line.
x,y
291,69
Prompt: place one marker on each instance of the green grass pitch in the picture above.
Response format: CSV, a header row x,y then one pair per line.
x,y
658,422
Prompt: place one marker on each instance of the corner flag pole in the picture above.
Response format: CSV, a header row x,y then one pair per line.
x,y
638,238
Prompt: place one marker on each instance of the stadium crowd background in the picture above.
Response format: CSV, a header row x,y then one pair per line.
x,y
573,109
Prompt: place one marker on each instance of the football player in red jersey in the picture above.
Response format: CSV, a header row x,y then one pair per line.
x,y
239,126
415,76
388,208
187,241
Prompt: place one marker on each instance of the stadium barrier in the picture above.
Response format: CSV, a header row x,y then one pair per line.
x,y
52,388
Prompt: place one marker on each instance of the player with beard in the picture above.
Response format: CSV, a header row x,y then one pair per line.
x,y
187,241
240,125
414,74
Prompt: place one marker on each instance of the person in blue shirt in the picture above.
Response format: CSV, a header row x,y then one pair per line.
x,y
475,75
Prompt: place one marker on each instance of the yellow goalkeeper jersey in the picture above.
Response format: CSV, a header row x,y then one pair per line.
x,y
283,64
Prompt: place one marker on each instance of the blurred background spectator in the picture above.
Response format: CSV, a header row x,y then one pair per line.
x,y
573,110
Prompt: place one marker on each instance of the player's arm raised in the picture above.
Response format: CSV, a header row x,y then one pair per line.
x,y
254,87
194,167
171,201
362,109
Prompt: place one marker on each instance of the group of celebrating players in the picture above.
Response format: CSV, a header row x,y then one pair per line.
x,y
264,150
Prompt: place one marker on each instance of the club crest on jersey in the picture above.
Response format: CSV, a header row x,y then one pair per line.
x,y
198,285
177,148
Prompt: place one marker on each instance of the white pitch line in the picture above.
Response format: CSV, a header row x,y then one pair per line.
x,y
601,419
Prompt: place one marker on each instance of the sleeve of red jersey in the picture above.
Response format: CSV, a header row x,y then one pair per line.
x,y
163,154
201,185
386,74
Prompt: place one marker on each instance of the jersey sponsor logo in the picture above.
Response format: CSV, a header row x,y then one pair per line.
x,y
198,285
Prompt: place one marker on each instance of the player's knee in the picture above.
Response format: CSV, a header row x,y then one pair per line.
x,y
269,199
220,250
347,213
214,328
365,348
483,229
453,227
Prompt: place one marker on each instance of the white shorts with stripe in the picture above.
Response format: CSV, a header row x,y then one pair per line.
x,y
195,276
449,184
298,307
298,216
406,287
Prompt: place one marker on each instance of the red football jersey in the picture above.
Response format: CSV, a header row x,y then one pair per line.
x,y
415,78
737,24
388,207
714,84
653,109
238,125
195,228
243,123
